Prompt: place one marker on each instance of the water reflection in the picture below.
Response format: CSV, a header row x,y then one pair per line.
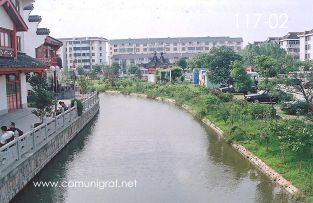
x,y
56,171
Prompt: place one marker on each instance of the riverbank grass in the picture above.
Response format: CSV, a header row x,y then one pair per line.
x,y
283,144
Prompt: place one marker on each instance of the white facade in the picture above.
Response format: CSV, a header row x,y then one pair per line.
x,y
306,42
126,51
6,21
291,43
3,93
26,41
83,52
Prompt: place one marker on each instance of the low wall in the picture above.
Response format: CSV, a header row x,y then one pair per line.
x,y
257,162
23,158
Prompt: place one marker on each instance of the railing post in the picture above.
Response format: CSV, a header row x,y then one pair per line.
x,y
76,112
33,135
45,122
18,149
62,113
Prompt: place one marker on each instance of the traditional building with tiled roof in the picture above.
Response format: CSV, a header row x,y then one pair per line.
x,y
22,51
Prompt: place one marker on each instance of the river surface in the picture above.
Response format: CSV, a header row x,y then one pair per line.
x,y
154,152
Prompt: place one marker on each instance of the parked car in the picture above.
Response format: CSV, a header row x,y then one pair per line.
x,y
227,88
231,89
261,96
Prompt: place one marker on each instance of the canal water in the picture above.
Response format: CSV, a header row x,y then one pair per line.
x,y
140,150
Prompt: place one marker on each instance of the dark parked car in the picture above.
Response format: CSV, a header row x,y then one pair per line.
x,y
226,88
231,89
262,96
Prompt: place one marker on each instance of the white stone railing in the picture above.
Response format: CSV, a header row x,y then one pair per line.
x,y
23,146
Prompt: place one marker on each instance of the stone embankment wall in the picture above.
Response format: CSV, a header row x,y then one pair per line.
x,y
29,154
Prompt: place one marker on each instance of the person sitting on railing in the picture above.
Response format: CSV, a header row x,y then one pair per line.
x,y
63,105
59,111
6,137
14,129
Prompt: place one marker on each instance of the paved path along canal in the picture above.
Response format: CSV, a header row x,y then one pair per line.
x,y
172,157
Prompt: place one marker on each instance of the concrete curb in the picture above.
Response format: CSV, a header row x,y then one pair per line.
x,y
257,162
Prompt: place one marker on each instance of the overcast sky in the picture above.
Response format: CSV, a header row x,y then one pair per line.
x,y
253,20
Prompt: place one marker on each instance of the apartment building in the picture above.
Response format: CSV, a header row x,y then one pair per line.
x,y
83,52
291,43
137,51
306,51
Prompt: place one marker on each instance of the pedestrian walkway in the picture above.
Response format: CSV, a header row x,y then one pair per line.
x,y
23,119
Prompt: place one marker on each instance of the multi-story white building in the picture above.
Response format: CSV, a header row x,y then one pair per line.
x,y
291,43
126,51
306,42
84,51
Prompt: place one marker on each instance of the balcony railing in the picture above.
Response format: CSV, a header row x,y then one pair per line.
x,y
21,147
49,61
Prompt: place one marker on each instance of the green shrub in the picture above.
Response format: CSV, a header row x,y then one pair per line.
x,y
295,108
281,96
236,134
79,106
261,111
224,97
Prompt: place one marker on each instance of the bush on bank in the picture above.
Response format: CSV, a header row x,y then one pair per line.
x,y
285,145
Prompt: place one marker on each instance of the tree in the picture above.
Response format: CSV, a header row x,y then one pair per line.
x,y
265,65
97,69
83,84
182,63
201,60
219,64
239,76
115,69
42,99
80,70
132,69
305,89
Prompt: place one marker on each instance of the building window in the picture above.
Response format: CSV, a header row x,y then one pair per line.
x,y
175,48
100,60
5,38
100,54
100,48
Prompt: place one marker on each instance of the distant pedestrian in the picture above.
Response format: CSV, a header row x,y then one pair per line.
x,y
14,129
63,105
6,136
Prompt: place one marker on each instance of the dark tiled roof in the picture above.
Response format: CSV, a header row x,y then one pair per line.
x,y
43,31
34,18
52,41
157,62
21,61
306,32
291,35
29,7
174,40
